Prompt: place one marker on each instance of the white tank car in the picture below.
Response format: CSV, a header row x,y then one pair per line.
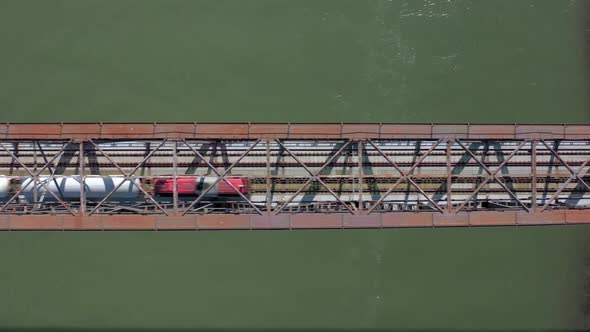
x,y
68,188
4,187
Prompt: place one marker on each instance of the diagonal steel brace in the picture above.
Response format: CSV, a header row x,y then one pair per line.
x,y
569,168
405,175
494,175
128,177
223,178
315,176
35,175
575,175
219,179
491,176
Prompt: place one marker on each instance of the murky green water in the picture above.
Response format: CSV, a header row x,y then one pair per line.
x,y
378,61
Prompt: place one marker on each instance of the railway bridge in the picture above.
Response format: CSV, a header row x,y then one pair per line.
x,y
110,176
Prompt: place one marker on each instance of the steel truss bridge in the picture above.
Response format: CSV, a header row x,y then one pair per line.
x,y
301,175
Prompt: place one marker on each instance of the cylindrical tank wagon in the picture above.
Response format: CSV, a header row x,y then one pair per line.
x,y
68,188
96,188
5,187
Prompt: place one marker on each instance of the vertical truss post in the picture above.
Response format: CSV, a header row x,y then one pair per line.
x,y
449,176
534,175
175,175
82,169
36,178
268,180
360,155
13,166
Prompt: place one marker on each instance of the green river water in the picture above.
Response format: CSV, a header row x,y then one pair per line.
x,y
297,61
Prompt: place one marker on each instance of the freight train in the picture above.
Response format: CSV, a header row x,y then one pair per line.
x,y
97,188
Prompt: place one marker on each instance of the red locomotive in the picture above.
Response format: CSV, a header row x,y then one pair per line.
x,y
194,186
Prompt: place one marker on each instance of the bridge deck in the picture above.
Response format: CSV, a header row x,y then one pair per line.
x,y
301,175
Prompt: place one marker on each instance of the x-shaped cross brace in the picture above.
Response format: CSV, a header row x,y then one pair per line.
x,y
492,175
314,176
575,175
405,175
51,169
36,175
128,177
221,177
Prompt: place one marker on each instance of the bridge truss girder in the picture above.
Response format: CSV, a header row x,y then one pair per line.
x,y
352,176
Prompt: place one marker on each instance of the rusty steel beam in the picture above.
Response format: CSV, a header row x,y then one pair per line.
x,y
449,208
36,179
268,179
360,156
82,167
534,175
254,131
175,175
294,221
